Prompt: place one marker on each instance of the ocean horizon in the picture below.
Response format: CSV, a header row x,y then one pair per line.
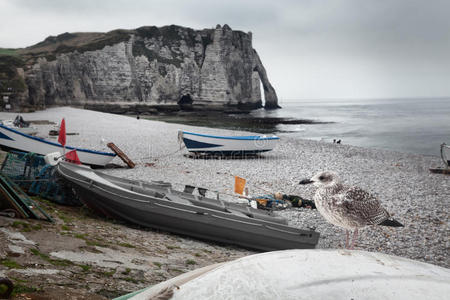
x,y
416,125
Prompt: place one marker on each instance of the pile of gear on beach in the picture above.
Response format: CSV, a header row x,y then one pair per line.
x,y
280,201
270,201
275,201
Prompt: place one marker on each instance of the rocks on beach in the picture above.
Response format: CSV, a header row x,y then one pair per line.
x,y
417,198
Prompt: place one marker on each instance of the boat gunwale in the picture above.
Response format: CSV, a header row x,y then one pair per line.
x,y
242,138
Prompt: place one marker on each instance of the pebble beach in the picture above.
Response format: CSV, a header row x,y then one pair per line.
x,y
402,182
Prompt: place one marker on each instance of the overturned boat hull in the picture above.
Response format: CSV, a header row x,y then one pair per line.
x,y
162,209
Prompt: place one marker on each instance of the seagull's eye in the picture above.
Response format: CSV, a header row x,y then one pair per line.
x,y
322,177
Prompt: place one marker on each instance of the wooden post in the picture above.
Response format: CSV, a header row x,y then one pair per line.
x,y
122,155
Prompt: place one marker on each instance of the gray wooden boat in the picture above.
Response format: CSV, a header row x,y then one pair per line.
x,y
157,205
165,188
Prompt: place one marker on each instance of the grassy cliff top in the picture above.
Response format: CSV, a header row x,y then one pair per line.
x,y
91,41
79,41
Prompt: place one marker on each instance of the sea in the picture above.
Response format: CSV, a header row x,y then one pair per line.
x,y
416,125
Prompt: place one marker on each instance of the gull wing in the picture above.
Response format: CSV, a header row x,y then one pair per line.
x,y
365,205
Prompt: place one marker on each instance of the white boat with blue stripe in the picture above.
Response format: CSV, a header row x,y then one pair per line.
x,y
227,145
11,139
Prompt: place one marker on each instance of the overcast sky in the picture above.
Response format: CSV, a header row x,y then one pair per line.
x,y
311,48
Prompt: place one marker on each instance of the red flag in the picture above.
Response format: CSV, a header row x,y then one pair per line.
x,y
72,157
62,133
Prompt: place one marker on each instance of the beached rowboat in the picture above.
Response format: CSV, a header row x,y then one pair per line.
x,y
156,205
227,145
11,139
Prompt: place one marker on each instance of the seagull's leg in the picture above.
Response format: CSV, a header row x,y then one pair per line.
x,y
347,238
355,237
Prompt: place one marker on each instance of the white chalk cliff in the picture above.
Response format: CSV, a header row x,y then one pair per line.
x,y
149,65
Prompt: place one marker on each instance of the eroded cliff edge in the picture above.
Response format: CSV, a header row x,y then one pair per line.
x,y
171,65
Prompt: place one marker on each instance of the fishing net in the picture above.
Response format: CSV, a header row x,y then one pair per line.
x,y
22,167
34,176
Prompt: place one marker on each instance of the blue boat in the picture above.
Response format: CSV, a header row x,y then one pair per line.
x,y
227,145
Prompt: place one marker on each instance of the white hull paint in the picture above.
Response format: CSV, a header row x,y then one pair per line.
x,y
208,143
13,139
325,274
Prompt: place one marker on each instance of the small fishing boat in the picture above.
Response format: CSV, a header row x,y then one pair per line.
x,y
11,139
445,154
227,145
157,205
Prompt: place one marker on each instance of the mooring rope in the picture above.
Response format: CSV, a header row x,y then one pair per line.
x,y
162,156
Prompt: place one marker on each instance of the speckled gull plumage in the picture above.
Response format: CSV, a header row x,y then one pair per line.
x,y
348,207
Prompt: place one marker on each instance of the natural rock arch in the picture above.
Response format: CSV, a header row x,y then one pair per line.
x,y
271,99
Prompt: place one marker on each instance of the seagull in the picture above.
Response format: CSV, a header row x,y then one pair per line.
x,y
348,207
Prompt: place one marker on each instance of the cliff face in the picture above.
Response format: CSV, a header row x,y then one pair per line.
x,y
149,65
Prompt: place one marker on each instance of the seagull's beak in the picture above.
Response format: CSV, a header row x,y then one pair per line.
x,y
306,181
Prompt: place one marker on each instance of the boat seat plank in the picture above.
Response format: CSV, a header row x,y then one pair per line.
x,y
177,199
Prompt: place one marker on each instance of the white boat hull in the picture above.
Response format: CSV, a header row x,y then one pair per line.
x,y
13,139
326,274
202,143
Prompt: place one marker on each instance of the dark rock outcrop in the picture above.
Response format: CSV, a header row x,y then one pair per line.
x,y
209,68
